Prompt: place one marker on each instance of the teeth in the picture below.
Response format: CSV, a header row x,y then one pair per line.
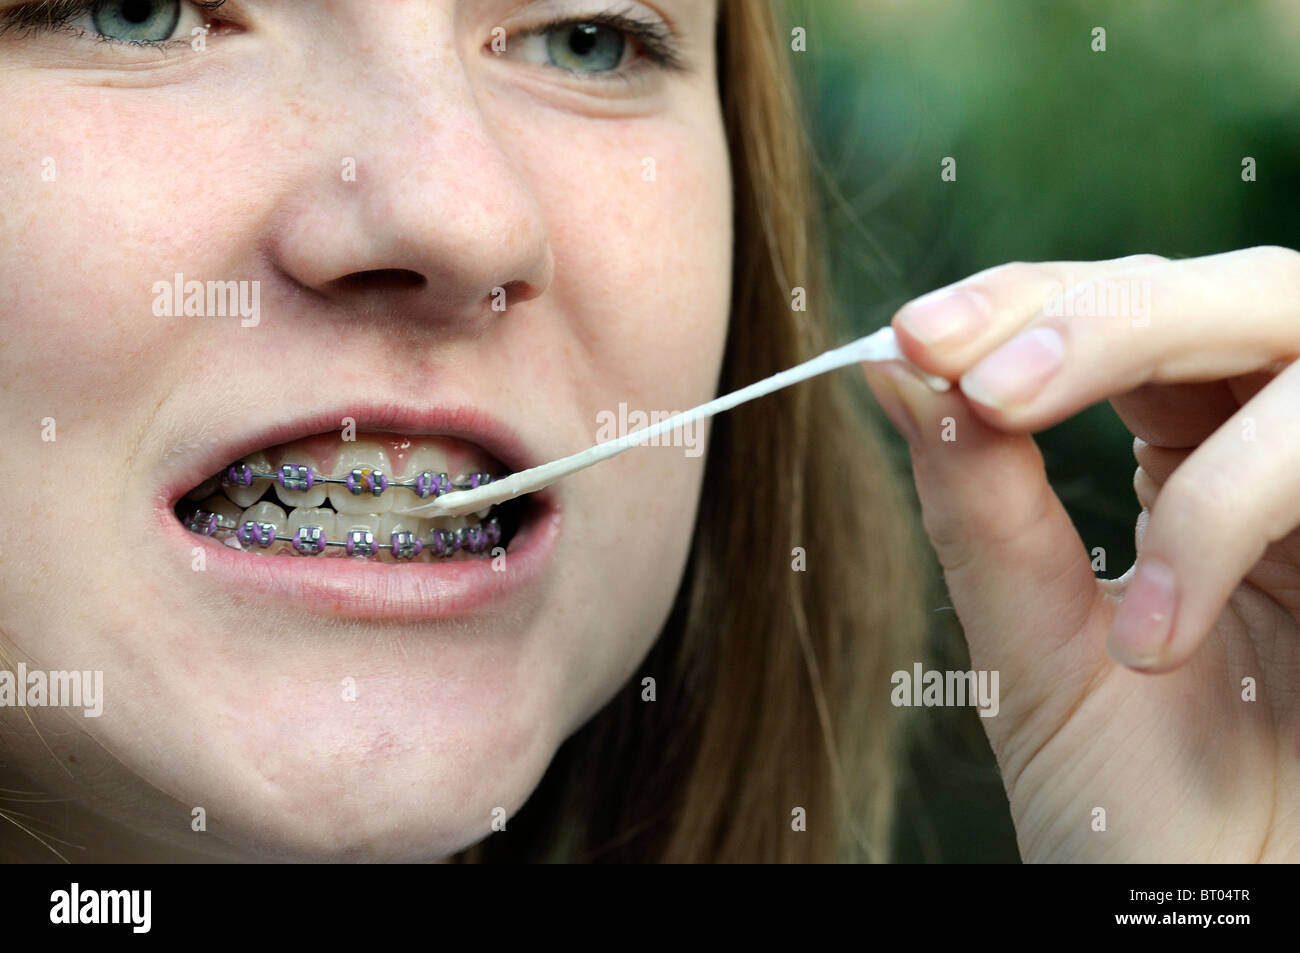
x,y
367,524
305,498
363,455
265,514
230,513
205,489
442,543
268,513
261,528
246,496
348,514
419,460
325,519
347,522
391,523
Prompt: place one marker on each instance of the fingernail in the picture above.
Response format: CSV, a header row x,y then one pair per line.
x,y
1145,620
1016,371
946,317
891,401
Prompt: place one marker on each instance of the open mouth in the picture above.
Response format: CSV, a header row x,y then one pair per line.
x,y
327,497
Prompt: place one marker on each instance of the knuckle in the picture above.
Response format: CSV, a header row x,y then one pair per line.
x,y
945,534
964,535
1142,260
1004,285
958,542
1278,260
996,282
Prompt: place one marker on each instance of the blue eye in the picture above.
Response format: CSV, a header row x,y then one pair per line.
x,y
136,21
598,47
153,23
585,47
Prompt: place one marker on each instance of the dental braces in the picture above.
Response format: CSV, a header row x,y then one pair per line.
x,y
360,480
310,540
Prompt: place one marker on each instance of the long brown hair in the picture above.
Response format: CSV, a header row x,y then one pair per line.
x,y
772,682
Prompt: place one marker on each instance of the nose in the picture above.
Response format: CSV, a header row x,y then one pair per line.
x,y
414,209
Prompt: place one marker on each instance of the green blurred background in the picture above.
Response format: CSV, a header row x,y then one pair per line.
x,y
1063,153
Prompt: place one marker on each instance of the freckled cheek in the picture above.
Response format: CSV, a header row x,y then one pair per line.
x,y
119,209
645,259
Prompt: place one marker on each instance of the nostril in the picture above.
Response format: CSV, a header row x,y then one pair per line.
x,y
382,279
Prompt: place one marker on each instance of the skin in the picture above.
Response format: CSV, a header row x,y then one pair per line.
x,y
473,171
1112,694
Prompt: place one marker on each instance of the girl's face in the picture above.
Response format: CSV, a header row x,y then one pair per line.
x,y
457,234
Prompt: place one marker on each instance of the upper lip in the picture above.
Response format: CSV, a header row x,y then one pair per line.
x,y
463,422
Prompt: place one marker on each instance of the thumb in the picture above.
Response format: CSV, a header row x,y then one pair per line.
x,y
1017,572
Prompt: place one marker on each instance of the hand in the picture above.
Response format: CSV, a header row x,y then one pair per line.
x,y
1127,694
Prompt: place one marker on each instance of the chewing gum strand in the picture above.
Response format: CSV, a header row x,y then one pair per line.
x,y
880,346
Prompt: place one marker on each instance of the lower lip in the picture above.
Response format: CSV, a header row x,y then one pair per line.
x,y
359,589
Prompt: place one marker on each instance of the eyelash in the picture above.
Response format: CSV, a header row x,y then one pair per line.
x,y
659,41
56,16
